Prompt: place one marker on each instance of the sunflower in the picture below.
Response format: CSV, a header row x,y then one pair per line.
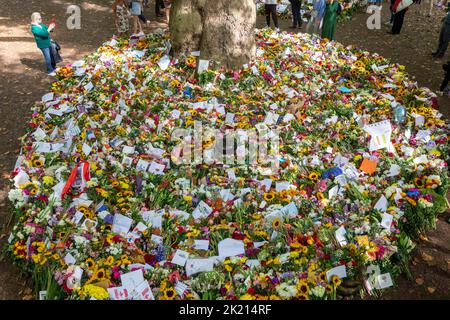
x,y
90,263
109,261
190,61
313,176
303,288
336,280
38,163
429,124
329,289
418,182
169,294
303,296
276,223
322,277
115,184
320,196
33,191
269,196
100,273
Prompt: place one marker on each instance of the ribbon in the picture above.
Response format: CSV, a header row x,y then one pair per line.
x,y
85,176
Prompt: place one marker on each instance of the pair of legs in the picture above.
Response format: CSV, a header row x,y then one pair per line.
x,y
444,38
313,26
296,14
136,24
271,9
398,21
49,61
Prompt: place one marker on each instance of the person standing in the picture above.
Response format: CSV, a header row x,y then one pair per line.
x,y
42,36
444,37
398,17
329,19
136,11
167,6
315,20
270,7
296,14
121,12
159,4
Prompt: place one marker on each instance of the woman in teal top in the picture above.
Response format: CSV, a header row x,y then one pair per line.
x,y
42,36
329,19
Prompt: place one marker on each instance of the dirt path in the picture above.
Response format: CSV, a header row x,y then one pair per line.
x,y
23,81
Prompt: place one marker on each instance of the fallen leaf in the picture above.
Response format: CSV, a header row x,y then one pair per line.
x,y
431,290
427,257
420,281
28,297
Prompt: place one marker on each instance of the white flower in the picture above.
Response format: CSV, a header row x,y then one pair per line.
x,y
80,241
318,291
286,291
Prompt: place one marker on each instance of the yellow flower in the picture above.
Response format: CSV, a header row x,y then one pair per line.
x,y
48,180
169,294
38,163
336,280
276,223
96,292
269,196
90,263
246,297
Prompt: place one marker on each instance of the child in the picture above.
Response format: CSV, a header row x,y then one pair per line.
x,y
122,17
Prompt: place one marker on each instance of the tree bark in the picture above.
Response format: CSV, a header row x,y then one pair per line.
x,y
222,30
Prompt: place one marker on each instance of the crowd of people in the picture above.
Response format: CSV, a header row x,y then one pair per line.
x,y
129,16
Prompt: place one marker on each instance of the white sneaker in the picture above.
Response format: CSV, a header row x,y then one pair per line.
x,y
53,74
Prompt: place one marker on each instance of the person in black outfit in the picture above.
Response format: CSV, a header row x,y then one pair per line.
x,y
444,36
398,21
271,9
444,84
296,14
159,4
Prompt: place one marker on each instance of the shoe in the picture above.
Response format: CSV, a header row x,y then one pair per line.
x,y
438,56
277,29
53,74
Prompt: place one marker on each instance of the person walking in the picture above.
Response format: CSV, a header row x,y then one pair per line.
x,y
444,36
296,13
159,4
122,15
329,19
315,21
41,34
270,7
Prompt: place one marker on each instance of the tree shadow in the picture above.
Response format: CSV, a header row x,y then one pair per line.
x,y
33,63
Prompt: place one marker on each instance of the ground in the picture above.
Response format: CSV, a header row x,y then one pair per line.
x,y
23,81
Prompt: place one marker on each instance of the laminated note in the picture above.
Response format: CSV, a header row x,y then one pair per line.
x,y
380,133
180,257
121,224
118,293
133,279
164,62
340,271
203,65
387,220
143,292
201,245
194,266
202,210
340,236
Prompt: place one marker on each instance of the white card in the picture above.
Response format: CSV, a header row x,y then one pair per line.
x,y
340,236
156,168
118,293
128,150
154,218
121,224
69,259
157,239
203,65
384,281
164,62
142,165
181,288
201,245
143,292
194,266
381,204
86,149
387,220
229,118
132,279
231,247
283,185
180,257
290,210
394,170
340,271
202,210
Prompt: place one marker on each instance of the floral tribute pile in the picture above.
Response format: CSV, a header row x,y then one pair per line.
x,y
103,212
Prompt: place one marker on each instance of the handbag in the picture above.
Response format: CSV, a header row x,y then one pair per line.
x,y
403,5
55,48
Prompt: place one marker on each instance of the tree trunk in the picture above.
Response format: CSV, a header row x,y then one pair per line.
x,y
222,30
